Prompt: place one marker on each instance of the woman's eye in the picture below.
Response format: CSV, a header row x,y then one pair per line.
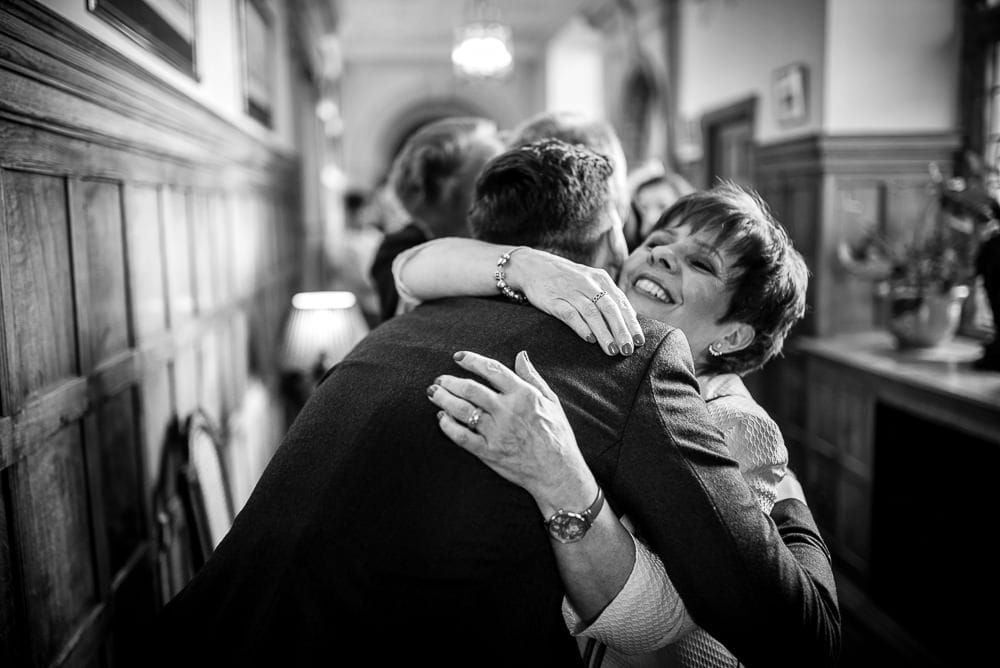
x,y
702,265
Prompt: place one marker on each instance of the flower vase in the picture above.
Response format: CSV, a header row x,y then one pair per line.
x,y
922,318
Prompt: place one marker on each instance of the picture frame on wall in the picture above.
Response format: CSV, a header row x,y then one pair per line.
x,y
790,94
164,27
258,45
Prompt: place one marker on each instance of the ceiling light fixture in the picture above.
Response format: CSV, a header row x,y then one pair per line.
x,y
483,45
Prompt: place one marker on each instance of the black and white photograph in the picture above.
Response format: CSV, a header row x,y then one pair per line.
x,y
495,333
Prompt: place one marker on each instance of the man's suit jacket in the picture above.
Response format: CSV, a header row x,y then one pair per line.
x,y
371,539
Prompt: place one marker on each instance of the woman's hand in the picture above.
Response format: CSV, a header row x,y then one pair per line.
x,y
517,427
583,297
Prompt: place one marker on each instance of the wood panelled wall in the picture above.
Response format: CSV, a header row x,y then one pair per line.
x,y
834,188
827,189
148,250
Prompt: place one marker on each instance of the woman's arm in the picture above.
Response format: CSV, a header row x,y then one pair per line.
x,y
457,267
618,590
525,438
434,269
595,568
646,615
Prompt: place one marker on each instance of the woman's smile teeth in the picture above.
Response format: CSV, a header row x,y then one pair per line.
x,y
650,288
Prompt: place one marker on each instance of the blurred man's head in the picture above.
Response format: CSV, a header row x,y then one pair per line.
x,y
553,196
577,128
435,172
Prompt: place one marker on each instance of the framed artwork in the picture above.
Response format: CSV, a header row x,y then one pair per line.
x,y
258,40
790,94
165,27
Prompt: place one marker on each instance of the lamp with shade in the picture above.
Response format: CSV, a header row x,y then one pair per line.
x,y
322,328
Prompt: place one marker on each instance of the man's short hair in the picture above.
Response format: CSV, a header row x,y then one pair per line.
x,y
548,194
577,128
770,278
432,159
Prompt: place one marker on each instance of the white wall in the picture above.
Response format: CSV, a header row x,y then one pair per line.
x,y
574,70
873,65
892,66
730,50
218,63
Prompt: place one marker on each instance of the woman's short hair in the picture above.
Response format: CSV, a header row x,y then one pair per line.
x,y
770,278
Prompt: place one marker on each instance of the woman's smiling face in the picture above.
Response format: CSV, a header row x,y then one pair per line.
x,y
680,278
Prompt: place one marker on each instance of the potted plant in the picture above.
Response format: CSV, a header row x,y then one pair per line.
x,y
926,277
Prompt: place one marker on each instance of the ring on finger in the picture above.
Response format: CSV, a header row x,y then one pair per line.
x,y
596,298
473,420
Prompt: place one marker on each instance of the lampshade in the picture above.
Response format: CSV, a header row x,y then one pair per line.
x,y
322,328
483,45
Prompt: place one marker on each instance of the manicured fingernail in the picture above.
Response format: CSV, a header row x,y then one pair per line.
x,y
591,338
525,353
613,348
437,381
627,349
440,415
639,339
431,390
458,356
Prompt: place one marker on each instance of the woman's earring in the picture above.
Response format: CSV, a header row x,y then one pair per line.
x,y
713,350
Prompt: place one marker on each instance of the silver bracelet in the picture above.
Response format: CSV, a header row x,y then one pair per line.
x,y
507,291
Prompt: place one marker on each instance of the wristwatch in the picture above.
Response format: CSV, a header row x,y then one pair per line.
x,y
567,526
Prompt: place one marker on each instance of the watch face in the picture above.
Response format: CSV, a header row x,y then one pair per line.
x,y
567,527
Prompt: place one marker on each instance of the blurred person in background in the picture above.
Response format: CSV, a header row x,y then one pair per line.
x,y
351,253
573,127
654,189
433,178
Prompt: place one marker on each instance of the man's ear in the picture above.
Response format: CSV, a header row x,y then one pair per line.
x,y
739,337
611,250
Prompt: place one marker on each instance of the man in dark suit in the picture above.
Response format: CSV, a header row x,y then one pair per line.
x,y
373,540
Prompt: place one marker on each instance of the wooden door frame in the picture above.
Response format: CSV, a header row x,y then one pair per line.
x,y
715,120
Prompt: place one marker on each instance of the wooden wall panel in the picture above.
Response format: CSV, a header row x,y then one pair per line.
x,y
244,232
185,380
210,374
140,234
53,535
202,251
220,238
157,410
177,245
121,483
239,356
100,265
11,637
146,273
40,297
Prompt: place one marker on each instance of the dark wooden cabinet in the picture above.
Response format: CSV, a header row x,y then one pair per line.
x,y
899,453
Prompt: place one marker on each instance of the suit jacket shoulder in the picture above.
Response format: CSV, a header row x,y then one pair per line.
x,y
687,497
